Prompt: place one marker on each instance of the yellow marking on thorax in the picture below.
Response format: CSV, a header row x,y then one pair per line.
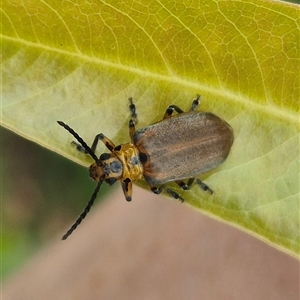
x,y
129,156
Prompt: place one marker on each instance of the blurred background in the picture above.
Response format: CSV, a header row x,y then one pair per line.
x,y
41,194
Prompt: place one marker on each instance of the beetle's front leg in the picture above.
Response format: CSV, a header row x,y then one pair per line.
x,y
127,188
133,120
132,109
99,137
131,129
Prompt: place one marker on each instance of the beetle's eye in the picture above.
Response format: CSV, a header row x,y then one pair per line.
x,y
104,156
110,181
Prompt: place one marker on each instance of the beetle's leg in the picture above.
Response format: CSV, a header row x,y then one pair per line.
x,y
158,190
195,102
183,185
171,108
99,137
131,129
187,186
133,120
132,109
127,188
202,184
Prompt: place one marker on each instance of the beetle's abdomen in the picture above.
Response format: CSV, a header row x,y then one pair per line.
x,y
183,146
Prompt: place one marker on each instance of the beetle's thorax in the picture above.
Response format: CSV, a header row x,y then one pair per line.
x,y
122,163
129,157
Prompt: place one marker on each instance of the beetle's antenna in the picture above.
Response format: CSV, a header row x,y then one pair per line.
x,y
80,140
85,212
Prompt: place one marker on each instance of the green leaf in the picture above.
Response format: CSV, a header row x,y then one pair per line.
x,y
80,61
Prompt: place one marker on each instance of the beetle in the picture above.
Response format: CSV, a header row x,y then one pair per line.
x,y
179,147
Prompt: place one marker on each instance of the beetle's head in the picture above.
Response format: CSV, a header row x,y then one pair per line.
x,y
108,168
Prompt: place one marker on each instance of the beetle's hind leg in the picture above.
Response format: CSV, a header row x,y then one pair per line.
x,y
158,190
171,108
187,186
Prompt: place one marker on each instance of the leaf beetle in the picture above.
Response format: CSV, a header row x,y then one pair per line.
x,y
179,147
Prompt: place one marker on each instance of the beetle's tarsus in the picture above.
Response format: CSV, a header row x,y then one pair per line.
x,y
157,191
132,108
195,102
79,147
174,194
204,186
89,150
